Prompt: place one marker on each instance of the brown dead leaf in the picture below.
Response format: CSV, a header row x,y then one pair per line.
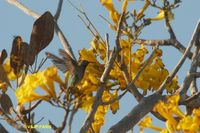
x,y
15,58
18,54
24,52
41,36
6,103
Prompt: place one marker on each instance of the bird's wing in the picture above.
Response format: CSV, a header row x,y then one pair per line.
x,y
68,61
58,62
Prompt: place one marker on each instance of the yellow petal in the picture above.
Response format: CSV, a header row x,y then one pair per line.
x,y
88,55
124,5
170,128
141,12
114,15
108,4
161,16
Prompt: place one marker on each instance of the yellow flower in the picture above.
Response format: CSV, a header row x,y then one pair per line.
x,y
173,85
114,15
87,103
44,80
93,79
108,4
147,123
51,73
188,124
124,5
114,106
161,16
170,127
8,70
88,55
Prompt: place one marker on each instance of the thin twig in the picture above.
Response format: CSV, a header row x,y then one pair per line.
x,y
57,15
60,129
32,107
86,17
74,111
41,64
105,19
189,99
39,120
12,122
87,26
169,27
107,47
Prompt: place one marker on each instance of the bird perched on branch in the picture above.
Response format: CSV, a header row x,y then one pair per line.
x,y
67,64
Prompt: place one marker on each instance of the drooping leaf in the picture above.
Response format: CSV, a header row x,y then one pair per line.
x,y
41,36
6,103
24,52
3,56
18,54
30,56
15,60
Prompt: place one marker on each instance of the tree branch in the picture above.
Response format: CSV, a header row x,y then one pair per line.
x,y
187,81
74,111
165,42
136,114
176,69
97,99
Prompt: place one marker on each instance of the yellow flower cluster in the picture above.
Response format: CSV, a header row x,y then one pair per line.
x,y
99,119
170,110
99,48
44,80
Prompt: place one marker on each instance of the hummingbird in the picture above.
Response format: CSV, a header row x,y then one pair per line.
x,y
66,63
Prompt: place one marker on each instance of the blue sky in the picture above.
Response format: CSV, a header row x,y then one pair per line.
x,y
15,22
